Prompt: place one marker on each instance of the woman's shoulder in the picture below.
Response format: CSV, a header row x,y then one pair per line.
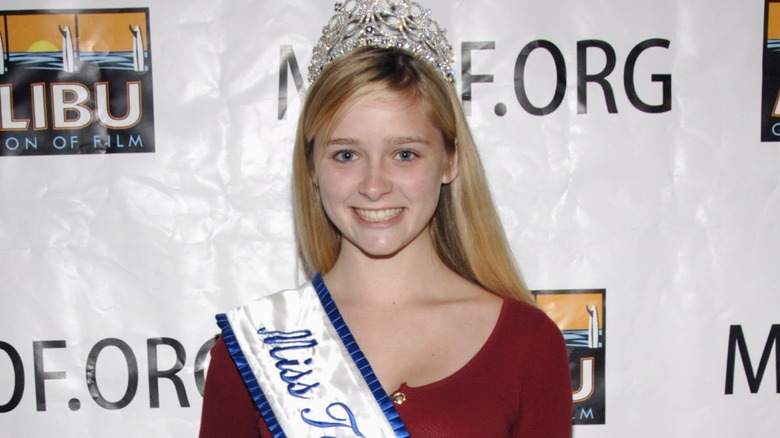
x,y
520,312
526,326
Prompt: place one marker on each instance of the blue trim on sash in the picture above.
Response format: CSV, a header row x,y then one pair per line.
x,y
359,358
249,378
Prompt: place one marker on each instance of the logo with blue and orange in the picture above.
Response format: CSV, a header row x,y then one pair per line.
x,y
75,82
581,316
770,87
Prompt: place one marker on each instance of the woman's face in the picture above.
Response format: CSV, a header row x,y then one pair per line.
x,y
380,174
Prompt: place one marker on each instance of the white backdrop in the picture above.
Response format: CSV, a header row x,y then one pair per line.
x,y
675,214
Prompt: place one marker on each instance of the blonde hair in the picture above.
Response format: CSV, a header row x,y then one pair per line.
x,y
466,230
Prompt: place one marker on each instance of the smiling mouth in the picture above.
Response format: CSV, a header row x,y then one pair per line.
x,y
378,215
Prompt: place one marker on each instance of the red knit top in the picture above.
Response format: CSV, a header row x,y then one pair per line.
x,y
518,385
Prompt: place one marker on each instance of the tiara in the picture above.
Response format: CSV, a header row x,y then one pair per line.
x,y
400,24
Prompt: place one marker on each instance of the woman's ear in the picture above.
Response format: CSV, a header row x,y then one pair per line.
x,y
451,171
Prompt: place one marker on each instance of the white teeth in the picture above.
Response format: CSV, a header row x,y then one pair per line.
x,y
378,215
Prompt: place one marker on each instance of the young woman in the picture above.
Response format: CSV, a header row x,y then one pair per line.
x,y
416,321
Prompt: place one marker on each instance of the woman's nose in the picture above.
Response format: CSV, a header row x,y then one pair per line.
x,y
375,181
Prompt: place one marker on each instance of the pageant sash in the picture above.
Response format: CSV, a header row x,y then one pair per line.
x,y
306,374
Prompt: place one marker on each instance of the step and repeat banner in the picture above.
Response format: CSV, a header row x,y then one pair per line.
x,y
633,149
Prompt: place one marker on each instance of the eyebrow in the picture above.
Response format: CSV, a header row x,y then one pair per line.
x,y
341,141
397,141
406,140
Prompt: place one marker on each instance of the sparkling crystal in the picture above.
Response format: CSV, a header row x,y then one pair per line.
x,y
383,23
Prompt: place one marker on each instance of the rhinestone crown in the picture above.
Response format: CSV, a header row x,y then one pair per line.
x,y
383,23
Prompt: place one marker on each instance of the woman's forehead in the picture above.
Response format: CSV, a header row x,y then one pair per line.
x,y
379,96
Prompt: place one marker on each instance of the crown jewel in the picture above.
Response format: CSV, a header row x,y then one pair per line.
x,y
383,23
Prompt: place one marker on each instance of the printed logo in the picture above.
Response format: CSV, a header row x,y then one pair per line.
x,y
117,361
770,91
581,316
738,343
75,82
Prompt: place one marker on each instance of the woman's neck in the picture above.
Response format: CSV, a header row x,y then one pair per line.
x,y
412,274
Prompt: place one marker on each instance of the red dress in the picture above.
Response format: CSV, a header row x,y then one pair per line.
x,y
518,385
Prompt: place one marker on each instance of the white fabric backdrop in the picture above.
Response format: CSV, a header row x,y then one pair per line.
x,y
675,214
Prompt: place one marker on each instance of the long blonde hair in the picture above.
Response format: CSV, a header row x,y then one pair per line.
x,y
465,228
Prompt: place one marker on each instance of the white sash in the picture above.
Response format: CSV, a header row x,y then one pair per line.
x,y
304,370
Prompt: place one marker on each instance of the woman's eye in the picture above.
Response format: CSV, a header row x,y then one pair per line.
x,y
345,155
406,155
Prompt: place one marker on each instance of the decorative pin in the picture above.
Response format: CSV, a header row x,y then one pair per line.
x,y
398,397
